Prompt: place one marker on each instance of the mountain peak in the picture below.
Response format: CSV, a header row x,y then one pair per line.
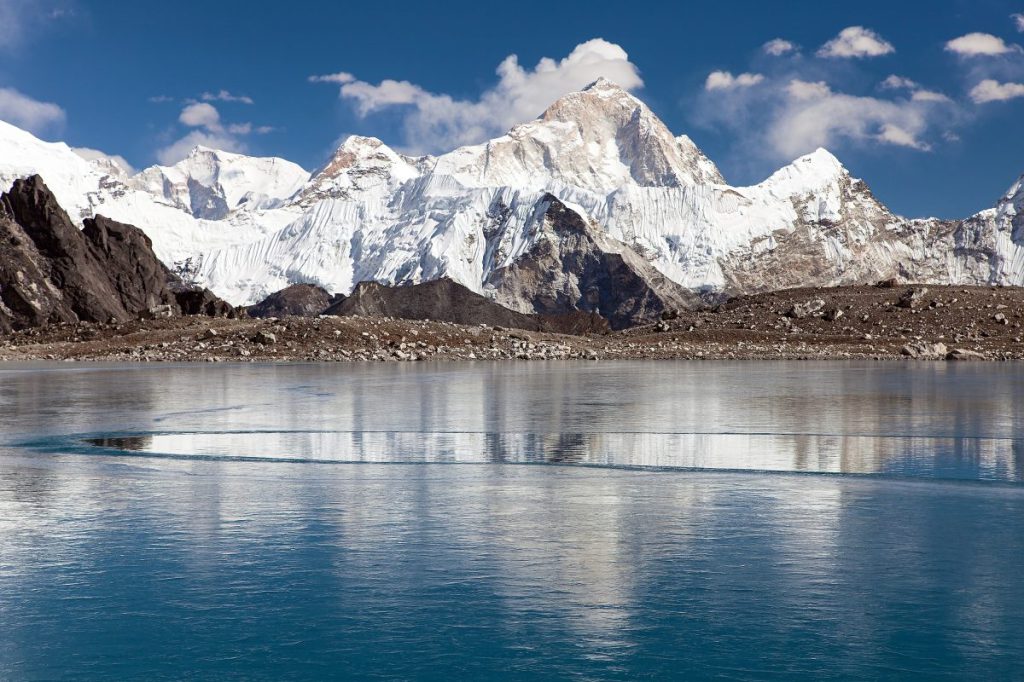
x,y
816,169
603,83
359,150
360,142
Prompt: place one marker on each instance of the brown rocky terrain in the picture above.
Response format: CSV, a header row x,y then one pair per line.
x,y
52,272
443,300
865,322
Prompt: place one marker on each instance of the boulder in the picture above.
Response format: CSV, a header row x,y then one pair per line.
x,y
923,350
911,298
963,355
300,300
800,311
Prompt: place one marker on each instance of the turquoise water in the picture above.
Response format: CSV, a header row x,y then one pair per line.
x,y
512,521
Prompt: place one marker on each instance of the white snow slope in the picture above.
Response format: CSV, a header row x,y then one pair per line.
x,y
246,227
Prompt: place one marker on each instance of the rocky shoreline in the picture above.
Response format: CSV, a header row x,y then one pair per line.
x,y
882,322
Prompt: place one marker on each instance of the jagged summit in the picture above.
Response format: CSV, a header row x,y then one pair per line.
x,y
599,139
809,172
210,183
359,166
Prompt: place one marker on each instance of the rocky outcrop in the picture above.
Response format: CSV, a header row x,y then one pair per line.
x,y
298,300
446,301
51,272
439,300
193,300
55,273
573,266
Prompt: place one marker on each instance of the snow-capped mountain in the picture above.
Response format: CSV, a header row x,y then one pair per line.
x,y
211,184
159,200
593,195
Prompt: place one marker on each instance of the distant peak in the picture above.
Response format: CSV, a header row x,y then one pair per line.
x,y
603,83
359,142
810,170
821,162
820,157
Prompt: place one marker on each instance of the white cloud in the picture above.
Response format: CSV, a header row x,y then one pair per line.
x,y
225,96
804,90
856,42
208,131
723,80
790,115
248,128
31,114
923,95
96,155
439,122
778,47
893,134
895,82
990,90
816,116
201,115
1018,21
980,45
917,93
340,78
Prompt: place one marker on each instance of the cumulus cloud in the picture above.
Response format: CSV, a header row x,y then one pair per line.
x,y
816,116
895,82
990,90
922,95
724,80
917,93
96,155
33,115
434,122
225,96
980,45
1018,21
856,42
805,90
778,47
208,130
340,78
201,115
795,111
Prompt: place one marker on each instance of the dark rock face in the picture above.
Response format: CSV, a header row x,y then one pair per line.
x,y
446,301
138,277
573,268
298,300
200,301
51,272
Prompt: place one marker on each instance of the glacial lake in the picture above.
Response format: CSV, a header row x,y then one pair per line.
x,y
563,520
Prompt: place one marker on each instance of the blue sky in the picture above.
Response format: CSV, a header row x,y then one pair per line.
x,y
146,80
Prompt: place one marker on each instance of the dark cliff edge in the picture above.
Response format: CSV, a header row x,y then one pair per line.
x,y
51,272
